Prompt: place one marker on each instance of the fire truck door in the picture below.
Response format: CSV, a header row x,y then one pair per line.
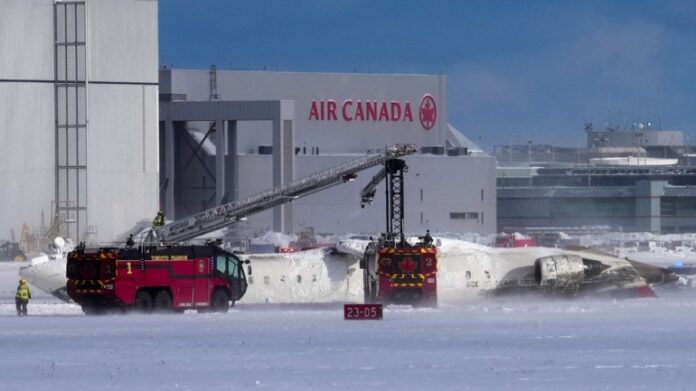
x,y
202,282
236,277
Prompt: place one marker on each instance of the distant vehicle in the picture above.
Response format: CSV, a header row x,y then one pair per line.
x,y
9,251
514,240
163,280
307,240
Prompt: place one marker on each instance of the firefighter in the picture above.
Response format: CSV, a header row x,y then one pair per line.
x,y
158,221
157,225
22,297
130,242
427,239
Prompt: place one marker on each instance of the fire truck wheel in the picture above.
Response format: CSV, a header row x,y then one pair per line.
x,y
220,302
143,302
163,301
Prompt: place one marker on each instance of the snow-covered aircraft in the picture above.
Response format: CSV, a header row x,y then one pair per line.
x,y
467,271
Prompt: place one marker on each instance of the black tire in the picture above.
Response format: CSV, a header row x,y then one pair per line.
x,y
143,302
220,301
163,302
369,288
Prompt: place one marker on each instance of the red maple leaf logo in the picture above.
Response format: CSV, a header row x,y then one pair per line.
x,y
408,265
427,112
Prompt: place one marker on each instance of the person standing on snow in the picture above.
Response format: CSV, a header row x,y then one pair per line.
x,y
22,297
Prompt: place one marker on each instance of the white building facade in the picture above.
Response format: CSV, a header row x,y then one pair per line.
x,y
329,118
78,116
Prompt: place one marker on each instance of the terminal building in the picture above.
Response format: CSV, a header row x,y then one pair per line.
x,y
279,126
633,180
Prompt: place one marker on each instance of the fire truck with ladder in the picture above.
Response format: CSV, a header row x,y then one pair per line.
x,y
164,272
394,270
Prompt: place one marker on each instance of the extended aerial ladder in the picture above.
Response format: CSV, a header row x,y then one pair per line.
x,y
394,270
223,215
393,171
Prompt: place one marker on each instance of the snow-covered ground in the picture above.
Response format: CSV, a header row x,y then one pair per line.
x,y
521,343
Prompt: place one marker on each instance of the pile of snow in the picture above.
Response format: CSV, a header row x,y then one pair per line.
x,y
275,238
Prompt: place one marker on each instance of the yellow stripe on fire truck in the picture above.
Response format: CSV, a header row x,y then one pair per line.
x,y
406,284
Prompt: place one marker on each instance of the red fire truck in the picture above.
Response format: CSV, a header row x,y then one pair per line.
x,y
400,274
157,279
394,270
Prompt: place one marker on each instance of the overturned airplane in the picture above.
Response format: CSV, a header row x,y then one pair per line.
x,y
467,271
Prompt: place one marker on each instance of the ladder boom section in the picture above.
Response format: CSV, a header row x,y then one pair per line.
x,y
367,194
225,214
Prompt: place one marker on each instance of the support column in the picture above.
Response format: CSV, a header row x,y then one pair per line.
x,y
283,171
648,210
232,163
169,169
220,169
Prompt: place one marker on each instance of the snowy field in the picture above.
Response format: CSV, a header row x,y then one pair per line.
x,y
516,344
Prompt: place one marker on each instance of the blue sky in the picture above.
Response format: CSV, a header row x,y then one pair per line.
x,y
516,70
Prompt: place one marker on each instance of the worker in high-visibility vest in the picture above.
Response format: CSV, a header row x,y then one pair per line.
x,y
22,297
157,225
158,221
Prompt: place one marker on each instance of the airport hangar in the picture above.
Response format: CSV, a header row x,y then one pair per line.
x,y
284,125
81,149
78,118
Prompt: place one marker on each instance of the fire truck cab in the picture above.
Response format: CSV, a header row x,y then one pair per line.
x,y
157,279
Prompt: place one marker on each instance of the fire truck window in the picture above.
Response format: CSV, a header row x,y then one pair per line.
x,y
266,280
232,267
220,262
299,278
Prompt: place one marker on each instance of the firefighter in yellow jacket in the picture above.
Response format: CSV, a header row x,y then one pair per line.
x,y
22,297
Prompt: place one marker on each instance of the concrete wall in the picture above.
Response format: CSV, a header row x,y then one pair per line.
x,y
123,40
337,210
26,40
122,113
448,184
123,169
329,135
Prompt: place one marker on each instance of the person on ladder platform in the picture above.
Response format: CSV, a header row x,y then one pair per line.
x,y
427,239
22,297
157,224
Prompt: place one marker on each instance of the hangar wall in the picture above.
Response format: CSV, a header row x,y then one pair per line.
x,y
122,115
443,193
